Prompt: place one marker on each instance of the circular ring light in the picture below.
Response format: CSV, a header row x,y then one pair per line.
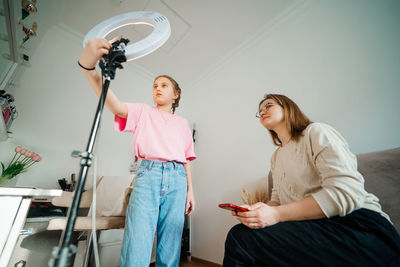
x,y
157,38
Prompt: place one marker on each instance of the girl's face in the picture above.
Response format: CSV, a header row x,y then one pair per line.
x,y
163,92
271,114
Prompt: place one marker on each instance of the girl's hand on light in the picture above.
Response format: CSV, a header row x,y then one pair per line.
x,y
93,51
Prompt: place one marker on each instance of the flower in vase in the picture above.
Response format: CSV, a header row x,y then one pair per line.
x,y
21,161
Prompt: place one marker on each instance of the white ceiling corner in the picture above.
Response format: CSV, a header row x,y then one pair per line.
x,y
204,34
179,24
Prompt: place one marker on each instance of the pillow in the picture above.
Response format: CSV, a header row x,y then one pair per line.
x,y
113,193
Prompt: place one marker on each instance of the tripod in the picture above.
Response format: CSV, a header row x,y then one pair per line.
x,y
61,255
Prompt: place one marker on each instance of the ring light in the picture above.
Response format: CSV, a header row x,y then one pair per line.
x,y
157,38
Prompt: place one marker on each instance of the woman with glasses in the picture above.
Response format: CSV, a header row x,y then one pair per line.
x,y
319,213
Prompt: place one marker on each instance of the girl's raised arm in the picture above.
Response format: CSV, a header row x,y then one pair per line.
x,y
94,50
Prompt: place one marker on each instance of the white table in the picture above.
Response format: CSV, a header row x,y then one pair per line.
x,y
14,206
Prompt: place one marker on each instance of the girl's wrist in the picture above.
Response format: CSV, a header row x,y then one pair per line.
x,y
86,68
86,61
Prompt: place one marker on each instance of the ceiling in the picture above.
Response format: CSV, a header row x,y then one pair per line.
x,y
203,32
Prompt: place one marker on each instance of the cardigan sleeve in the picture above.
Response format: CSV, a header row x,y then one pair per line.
x,y
272,186
342,187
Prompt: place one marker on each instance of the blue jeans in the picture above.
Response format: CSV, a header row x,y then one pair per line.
x,y
157,202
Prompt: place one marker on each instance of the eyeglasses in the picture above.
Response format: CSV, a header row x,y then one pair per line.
x,y
265,108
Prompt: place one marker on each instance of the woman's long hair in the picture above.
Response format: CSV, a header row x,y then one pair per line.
x,y
295,119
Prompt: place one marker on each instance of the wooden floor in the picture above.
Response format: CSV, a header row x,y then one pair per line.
x,y
195,263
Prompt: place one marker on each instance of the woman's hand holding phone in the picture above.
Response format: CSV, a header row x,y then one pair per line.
x,y
259,215
233,207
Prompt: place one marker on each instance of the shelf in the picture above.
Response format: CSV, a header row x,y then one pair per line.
x,y
3,130
10,58
29,192
5,126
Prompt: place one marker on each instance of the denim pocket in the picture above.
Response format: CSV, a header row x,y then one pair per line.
x,y
142,171
181,171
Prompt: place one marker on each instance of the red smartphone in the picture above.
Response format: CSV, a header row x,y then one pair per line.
x,y
229,206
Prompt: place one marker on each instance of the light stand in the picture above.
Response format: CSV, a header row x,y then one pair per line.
x,y
61,255
119,52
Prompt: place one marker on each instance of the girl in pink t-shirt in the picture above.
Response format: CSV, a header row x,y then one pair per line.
x,y
163,191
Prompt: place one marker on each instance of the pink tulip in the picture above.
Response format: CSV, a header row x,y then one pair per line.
x,y
28,159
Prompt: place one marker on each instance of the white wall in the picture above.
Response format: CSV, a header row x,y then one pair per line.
x,y
56,107
339,60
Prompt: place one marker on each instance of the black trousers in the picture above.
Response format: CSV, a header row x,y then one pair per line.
x,y
361,238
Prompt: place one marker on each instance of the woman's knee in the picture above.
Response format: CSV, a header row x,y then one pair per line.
x,y
236,233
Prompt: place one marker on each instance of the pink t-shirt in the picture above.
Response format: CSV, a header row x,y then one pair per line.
x,y
157,135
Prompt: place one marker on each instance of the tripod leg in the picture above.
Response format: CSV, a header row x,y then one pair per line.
x,y
89,250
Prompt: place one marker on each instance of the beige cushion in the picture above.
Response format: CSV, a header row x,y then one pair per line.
x,y
113,195
65,200
85,223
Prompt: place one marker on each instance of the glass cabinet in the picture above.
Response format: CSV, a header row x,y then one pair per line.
x,y
6,41
16,28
